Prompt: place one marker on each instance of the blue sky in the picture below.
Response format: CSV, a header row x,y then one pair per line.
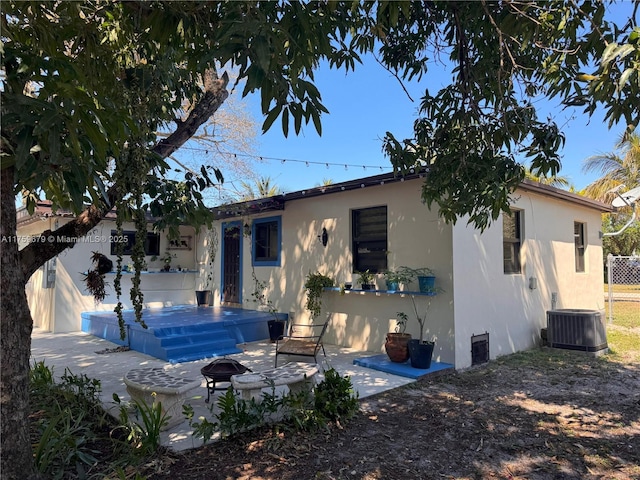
x,y
364,104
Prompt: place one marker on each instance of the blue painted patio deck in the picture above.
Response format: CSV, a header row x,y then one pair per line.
x,y
383,364
183,333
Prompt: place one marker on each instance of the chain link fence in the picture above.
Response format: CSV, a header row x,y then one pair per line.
x,y
623,289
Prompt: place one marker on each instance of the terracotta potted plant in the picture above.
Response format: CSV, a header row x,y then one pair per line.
x,y
396,345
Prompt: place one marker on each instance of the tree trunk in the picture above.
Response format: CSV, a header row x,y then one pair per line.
x,y
17,267
15,345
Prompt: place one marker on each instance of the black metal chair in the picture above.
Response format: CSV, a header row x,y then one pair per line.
x,y
303,340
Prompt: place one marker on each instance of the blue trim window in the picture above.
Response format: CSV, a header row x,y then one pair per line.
x,y
266,238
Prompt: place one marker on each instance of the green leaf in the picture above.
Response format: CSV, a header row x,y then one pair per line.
x,y
317,123
624,50
625,77
271,117
609,53
285,121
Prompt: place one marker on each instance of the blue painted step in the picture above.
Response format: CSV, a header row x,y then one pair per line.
x,y
209,348
193,356
193,342
183,333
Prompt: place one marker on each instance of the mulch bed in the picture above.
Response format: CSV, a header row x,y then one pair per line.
x,y
535,415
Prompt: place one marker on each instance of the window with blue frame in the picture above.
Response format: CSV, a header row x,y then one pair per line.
x,y
266,240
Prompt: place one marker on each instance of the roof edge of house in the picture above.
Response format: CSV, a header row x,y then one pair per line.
x,y
549,191
277,202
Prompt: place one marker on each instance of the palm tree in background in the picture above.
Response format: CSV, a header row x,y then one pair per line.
x,y
621,167
326,182
262,187
553,181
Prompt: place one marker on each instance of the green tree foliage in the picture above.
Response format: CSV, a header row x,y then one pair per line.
x,y
618,170
627,242
505,57
85,88
262,188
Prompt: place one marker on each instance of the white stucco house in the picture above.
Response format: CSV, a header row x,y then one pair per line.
x,y
56,292
497,284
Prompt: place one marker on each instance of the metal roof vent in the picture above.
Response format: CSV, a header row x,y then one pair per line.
x,y
577,329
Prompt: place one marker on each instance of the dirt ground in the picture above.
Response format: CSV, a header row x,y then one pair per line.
x,y
537,415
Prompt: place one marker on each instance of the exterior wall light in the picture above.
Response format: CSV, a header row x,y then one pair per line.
x,y
324,237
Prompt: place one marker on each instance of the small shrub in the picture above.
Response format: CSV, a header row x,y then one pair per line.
x,y
335,399
143,432
68,422
64,443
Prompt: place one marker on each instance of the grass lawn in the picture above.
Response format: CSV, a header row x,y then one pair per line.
x,y
622,288
623,334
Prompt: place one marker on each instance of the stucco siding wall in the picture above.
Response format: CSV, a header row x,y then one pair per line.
x,y
58,309
41,300
488,300
416,238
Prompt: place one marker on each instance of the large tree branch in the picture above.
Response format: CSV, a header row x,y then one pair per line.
x,y
36,254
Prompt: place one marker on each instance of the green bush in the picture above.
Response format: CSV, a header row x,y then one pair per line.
x,y
335,399
143,425
68,421
332,400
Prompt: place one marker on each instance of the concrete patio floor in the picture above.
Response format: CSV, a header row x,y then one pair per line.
x,y
77,352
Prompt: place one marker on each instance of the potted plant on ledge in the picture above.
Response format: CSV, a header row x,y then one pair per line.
x,y
396,344
366,280
426,279
393,278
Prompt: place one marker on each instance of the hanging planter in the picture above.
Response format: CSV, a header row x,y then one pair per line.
x,y
94,278
314,285
204,297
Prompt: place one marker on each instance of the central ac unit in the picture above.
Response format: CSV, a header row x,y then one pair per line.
x,y
576,329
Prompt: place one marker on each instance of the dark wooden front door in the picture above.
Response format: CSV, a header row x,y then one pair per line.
x,y
231,264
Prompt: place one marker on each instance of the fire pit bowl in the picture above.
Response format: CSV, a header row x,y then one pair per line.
x,y
221,370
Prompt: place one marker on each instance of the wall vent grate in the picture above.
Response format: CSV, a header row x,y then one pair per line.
x,y
479,349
